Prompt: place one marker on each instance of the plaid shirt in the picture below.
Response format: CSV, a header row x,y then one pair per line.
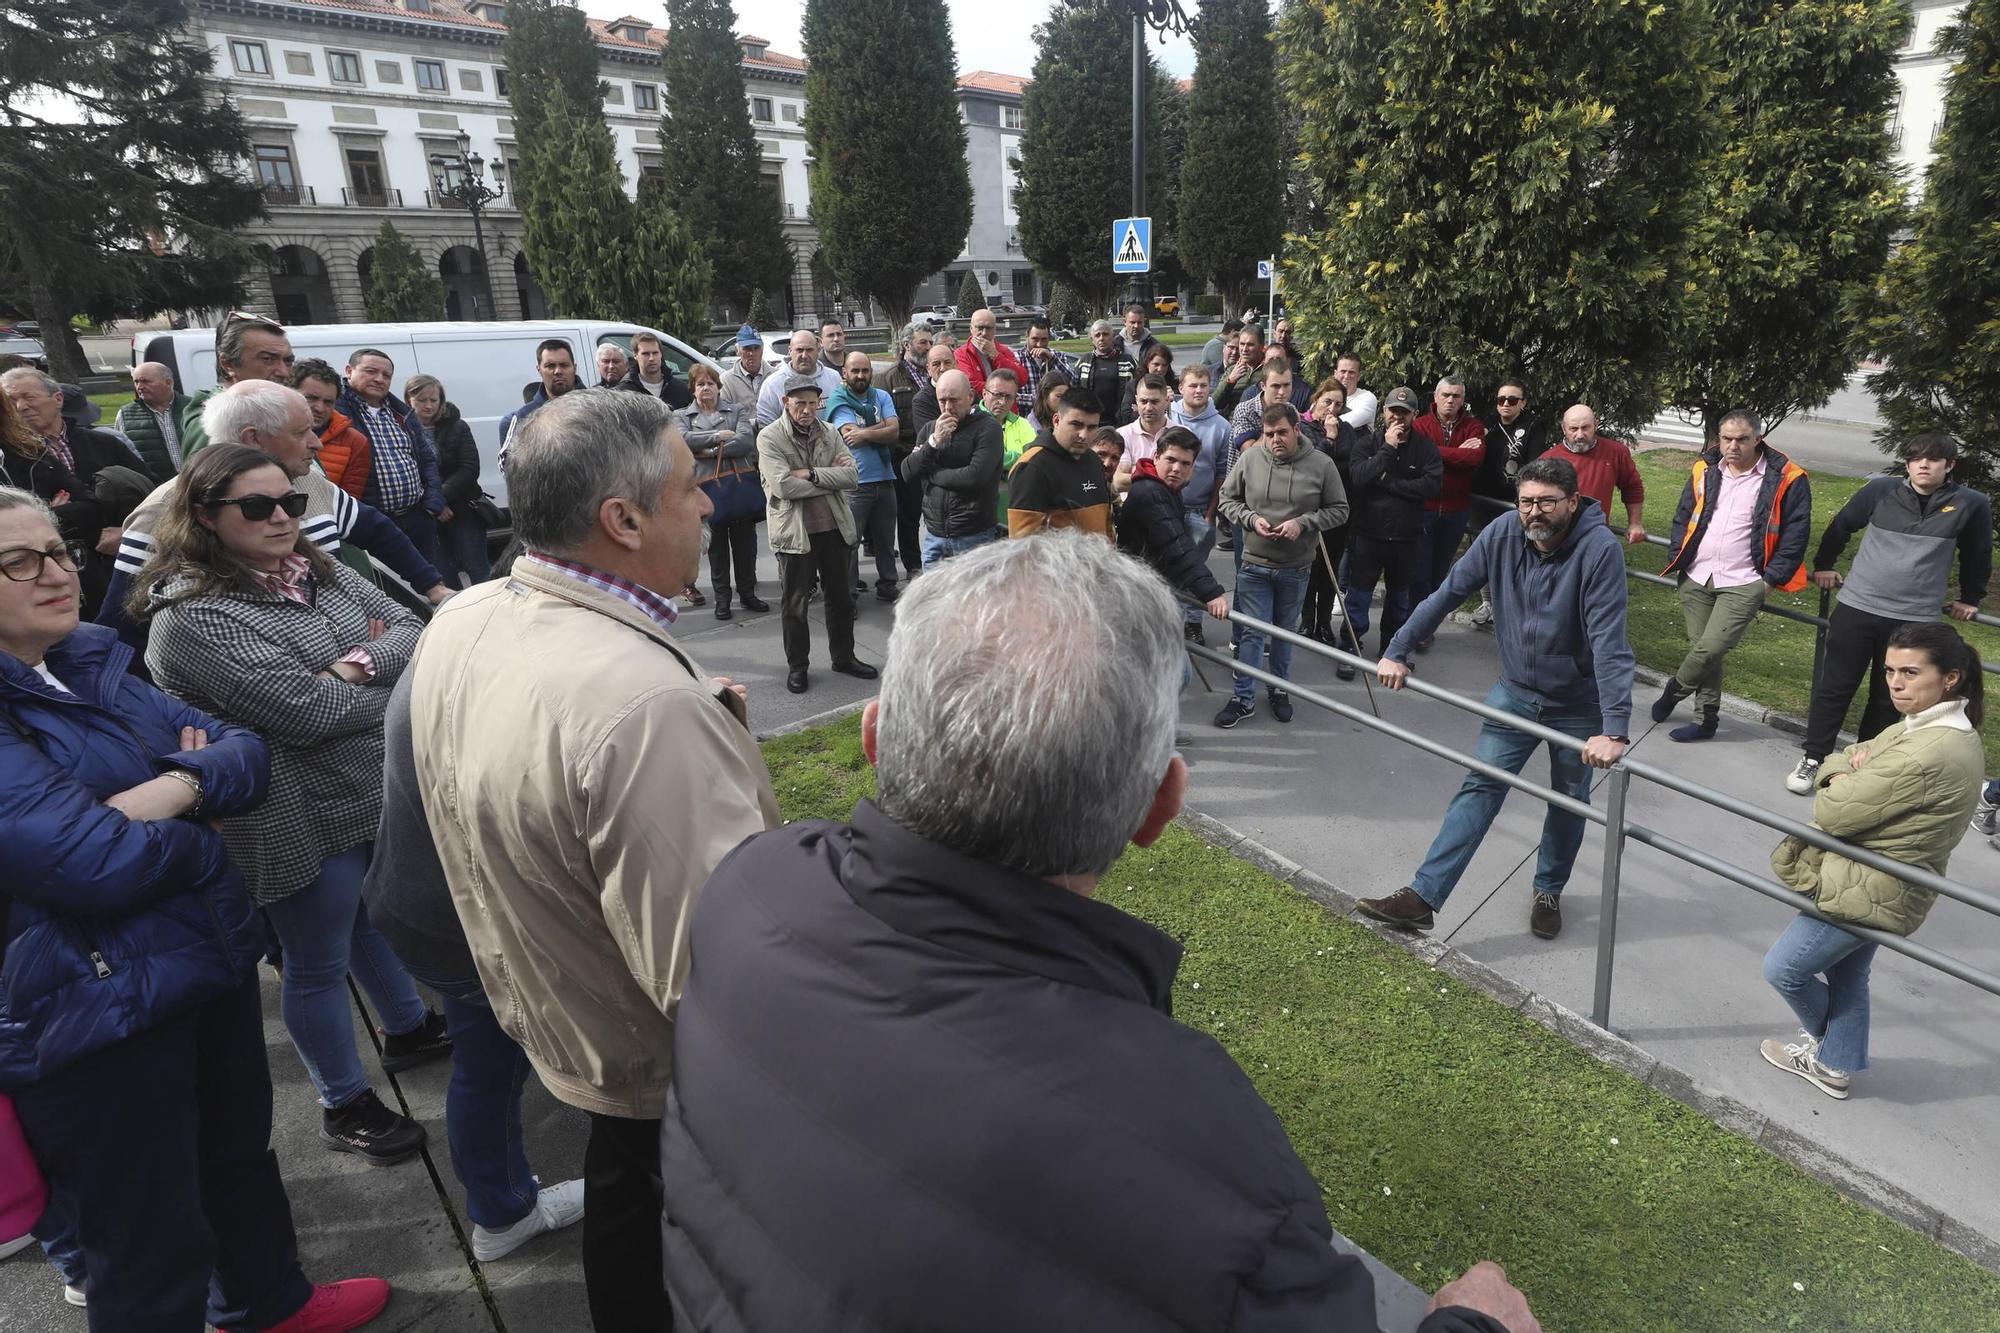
x,y
661,609
1061,361
59,443
397,475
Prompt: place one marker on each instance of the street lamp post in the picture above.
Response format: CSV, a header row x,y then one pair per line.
x,y
471,192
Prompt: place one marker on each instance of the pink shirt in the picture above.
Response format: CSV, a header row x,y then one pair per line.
x,y
1724,558
1138,444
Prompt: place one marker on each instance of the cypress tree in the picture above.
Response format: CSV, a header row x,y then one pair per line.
x,y
669,270
1505,188
891,191
709,157
128,198
548,46
1934,321
403,286
1798,205
759,317
579,238
1232,174
1066,307
970,296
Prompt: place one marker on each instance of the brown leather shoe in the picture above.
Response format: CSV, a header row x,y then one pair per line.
x,y
1545,918
1401,908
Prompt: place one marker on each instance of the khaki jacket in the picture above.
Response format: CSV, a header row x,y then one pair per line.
x,y
581,779
779,453
1910,800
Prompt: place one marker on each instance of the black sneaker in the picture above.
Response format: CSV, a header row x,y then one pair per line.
x,y
1671,694
1281,705
371,1131
1193,633
1545,918
1233,712
1344,671
421,1044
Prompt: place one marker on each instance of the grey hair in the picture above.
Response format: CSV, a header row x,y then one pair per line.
x,y
576,452
1744,415
909,334
48,383
12,498
1103,326
622,354
1028,703
258,405
1450,382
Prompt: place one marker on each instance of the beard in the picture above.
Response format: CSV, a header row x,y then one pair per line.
x,y
1545,529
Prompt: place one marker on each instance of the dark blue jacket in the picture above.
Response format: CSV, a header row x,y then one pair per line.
x,y
111,925
520,414
422,447
1560,617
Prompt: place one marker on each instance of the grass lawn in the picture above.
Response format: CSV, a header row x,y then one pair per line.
x,y
1445,1128
109,403
1773,664
1078,346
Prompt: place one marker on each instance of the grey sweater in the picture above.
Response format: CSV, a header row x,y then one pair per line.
x,y
1305,486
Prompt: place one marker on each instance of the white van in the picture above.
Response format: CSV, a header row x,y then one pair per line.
x,y
484,366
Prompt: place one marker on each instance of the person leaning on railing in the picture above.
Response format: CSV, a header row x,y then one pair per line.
x,y
1908,793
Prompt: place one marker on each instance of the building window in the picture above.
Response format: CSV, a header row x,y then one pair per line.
x,y
651,170
499,82
471,81
1013,118
365,179
299,62
430,76
249,57
343,67
760,109
645,97
276,174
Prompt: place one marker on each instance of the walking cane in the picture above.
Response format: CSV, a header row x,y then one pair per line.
x,y
1340,609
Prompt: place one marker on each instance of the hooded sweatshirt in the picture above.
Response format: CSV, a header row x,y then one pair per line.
x,y
1213,430
1561,615
1305,486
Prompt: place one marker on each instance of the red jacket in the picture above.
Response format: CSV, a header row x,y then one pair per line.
x,y
345,455
1606,466
1461,454
975,370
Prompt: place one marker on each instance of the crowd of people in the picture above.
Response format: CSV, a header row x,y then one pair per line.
x,y
228,743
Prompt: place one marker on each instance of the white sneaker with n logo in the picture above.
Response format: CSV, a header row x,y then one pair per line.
x,y
1802,1058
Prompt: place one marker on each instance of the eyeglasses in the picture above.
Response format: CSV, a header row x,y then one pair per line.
x,y
23,564
1529,504
258,508
1507,399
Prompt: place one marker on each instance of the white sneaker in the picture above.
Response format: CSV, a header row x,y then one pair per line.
x,y
1800,780
75,1295
555,1208
1986,817
1483,617
13,1247
1802,1058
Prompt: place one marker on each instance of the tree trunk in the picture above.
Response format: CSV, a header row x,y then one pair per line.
x,y
65,356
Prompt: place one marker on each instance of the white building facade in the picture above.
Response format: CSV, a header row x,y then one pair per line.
x,y
1921,72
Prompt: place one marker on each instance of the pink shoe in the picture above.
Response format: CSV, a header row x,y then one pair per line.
x,y
336,1307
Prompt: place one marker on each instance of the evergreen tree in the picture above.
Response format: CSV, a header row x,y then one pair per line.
x,y
1934,321
1232,176
670,271
759,317
578,241
1066,308
404,287
1075,173
891,190
1799,203
548,46
121,186
709,157
970,296
1505,188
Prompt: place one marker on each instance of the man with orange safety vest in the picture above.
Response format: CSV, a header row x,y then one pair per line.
x,y
1740,531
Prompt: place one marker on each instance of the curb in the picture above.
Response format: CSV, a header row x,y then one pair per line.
x,y
1736,706
1848,1179
816,720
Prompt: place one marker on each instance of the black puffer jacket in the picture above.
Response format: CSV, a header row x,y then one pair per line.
x,y
961,481
458,458
1153,527
1389,486
916,1091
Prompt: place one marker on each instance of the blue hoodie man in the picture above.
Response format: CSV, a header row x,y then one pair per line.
x,y
1556,579
1195,410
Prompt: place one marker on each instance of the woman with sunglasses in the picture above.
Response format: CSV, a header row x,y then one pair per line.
x,y
252,622
131,1036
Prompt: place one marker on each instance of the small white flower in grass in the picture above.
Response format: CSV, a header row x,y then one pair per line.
x,y
1197,985
1387,1190
1284,1011
1798,1286
1614,1142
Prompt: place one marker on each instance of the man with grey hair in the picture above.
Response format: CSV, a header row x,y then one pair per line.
x,y
801,358
612,364
926,1019
1106,372
582,776
152,420
247,347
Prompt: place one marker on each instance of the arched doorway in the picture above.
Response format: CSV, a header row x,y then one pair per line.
x,y
299,286
534,301
466,292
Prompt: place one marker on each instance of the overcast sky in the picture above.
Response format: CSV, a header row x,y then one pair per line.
x,y
989,36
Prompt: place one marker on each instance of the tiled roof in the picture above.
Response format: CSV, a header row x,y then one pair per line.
x,y
986,81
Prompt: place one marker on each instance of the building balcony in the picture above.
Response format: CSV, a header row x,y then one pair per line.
x,y
289,196
372,198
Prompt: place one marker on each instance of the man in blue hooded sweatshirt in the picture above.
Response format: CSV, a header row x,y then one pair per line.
x,y
1556,581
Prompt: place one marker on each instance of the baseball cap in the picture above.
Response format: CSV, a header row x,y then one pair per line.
x,y
747,335
1400,397
797,383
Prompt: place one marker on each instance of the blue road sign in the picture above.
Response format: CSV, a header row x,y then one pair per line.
x,y
1132,245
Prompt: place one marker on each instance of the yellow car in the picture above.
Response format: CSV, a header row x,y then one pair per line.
x,y
1167,305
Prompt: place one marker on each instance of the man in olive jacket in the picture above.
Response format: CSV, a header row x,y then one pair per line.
x,y
807,473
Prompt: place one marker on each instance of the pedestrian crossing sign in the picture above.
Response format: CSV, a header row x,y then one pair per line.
x,y
1132,245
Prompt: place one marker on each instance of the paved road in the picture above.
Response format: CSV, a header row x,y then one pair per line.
x,y
1838,438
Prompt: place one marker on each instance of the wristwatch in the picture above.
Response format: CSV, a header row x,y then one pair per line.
x,y
1622,740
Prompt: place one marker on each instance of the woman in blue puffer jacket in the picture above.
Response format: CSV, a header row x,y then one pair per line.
x,y
131,1033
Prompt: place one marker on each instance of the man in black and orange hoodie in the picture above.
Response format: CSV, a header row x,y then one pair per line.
x,y
1058,483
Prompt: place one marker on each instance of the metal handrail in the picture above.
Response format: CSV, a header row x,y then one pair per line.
x,y
1614,819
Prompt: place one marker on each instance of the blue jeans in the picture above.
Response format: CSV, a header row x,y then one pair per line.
x,y
1273,596
1203,534
943,548
462,544
326,934
482,1105
1834,1010
1438,536
56,1230
1479,797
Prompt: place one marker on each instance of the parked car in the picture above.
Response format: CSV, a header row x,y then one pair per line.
x,y
15,340
776,343
1167,305
483,365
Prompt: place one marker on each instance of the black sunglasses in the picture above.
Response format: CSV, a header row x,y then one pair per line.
x,y
1507,398
257,508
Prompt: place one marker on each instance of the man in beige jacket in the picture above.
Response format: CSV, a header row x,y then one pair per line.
x,y
582,777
